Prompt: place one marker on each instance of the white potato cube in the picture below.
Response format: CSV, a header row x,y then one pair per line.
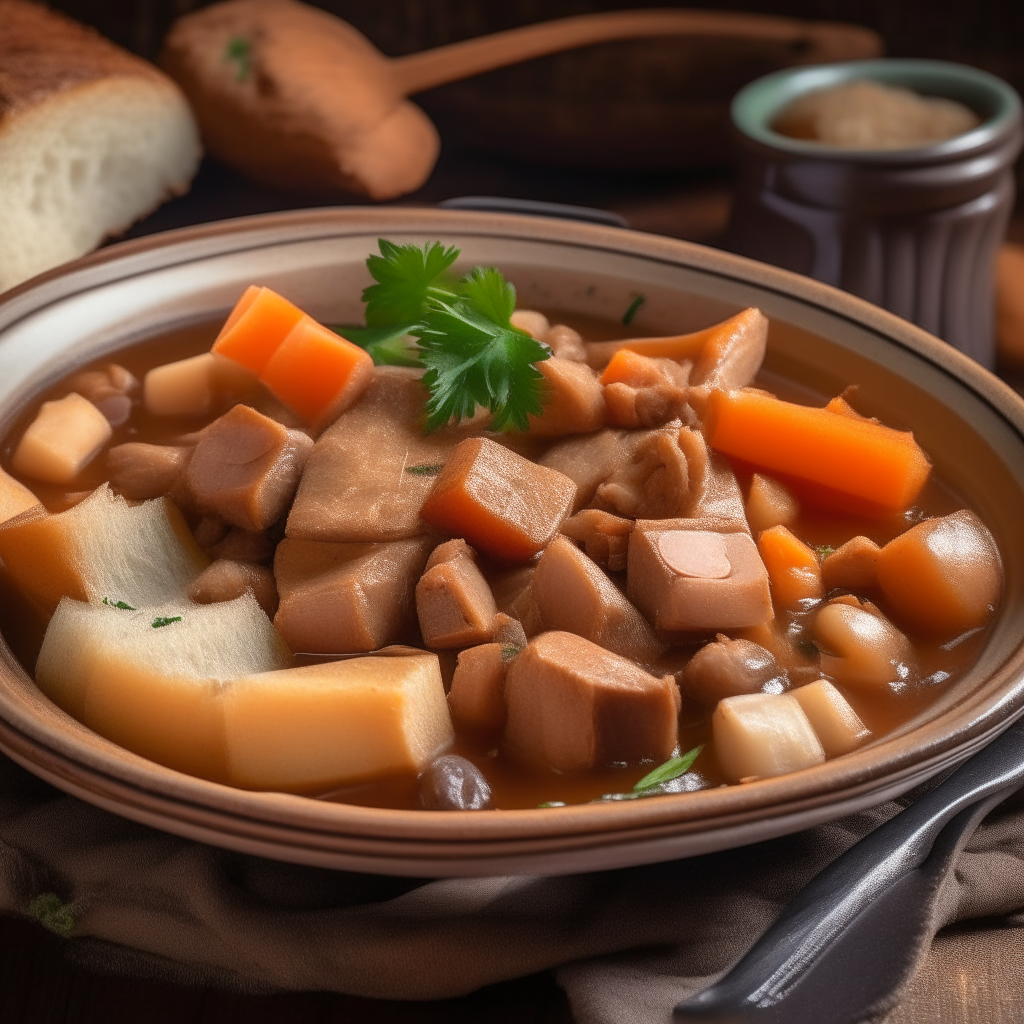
x,y
155,689
183,388
15,497
62,440
102,548
321,726
860,648
838,726
761,735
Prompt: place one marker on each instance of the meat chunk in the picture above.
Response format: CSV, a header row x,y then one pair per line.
x,y
575,596
513,594
503,504
653,484
347,598
644,392
573,400
769,504
573,705
245,468
139,471
683,576
477,696
589,461
714,490
761,735
242,546
836,724
853,566
225,580
604,537
565,343
62,440
371,470
453,601
942,576
727,667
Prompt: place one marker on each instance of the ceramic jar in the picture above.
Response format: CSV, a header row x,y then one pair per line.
x,y
912,230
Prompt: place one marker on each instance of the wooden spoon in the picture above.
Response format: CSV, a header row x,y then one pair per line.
x,y
297,98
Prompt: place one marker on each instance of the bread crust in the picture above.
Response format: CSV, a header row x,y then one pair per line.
x,y
43,53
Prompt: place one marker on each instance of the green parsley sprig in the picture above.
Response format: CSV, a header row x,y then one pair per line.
x,y
466,341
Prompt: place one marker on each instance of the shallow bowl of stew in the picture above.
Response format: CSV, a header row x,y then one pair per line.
x,y
164,297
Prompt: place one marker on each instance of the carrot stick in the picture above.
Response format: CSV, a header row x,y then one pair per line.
x,y
317,373
255,327
794,573
884,469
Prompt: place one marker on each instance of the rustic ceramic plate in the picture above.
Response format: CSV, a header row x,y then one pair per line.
x,y
970,423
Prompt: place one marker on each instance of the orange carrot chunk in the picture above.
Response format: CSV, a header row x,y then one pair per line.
x,y
256,327
793,570
883,469
499,502
318,374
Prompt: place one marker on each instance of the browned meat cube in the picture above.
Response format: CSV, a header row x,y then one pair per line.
x,y
245,468
644,392
346,598
504,505
604,537
685,577
566,343
653,484
589,461
139,471
477,696
371,470
573,399
853,566
714,490
242,546
574,595
572,705
225,580
453,601
513,594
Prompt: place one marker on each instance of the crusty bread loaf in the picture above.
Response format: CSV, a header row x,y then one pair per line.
x,y
296,98
91,139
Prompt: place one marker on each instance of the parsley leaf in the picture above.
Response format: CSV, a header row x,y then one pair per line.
x,y
671,769
239,50
388,346
164,620
474,356
425,469
407,277
123,605
634,308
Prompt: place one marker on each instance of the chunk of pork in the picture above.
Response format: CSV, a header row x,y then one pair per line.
x,y
453,601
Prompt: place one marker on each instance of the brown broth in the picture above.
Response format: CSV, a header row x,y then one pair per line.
x,y
513,784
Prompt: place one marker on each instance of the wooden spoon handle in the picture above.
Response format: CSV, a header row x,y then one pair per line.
x,y
817,41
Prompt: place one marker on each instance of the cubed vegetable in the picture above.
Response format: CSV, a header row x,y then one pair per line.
x,y
255,328
182,388
322,726
852,566
860,647
793,569
769,504
15,497
573,401
62,440
477,696
836,724
454,604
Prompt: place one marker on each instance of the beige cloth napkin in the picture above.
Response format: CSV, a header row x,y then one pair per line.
x,y
627,944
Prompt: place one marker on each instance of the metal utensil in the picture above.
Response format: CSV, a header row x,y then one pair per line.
x,y
842,947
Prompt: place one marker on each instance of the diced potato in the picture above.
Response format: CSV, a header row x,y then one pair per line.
x,y
453,601
513,594
574,595
501,503
942,576
15,497
311,728
347,598
62,440
153,689
182,388
568,701
477,696
102,548
861,648
837,725
761,735
769,504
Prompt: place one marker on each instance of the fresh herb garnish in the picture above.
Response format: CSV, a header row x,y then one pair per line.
x,y
509,652
552,803
424,470
472,353
52,913
239,51
823,551
634,308
163,620
654,782
119,604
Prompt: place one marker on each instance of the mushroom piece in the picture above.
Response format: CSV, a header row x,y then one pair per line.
x,y
453,783
726,667
860,647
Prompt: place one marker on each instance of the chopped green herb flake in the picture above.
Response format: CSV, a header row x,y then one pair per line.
x,y
52,913
807,648
634,308
509,652
165,620
123,605
552,803
239,51
671,769
823,551
424,470
388,346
